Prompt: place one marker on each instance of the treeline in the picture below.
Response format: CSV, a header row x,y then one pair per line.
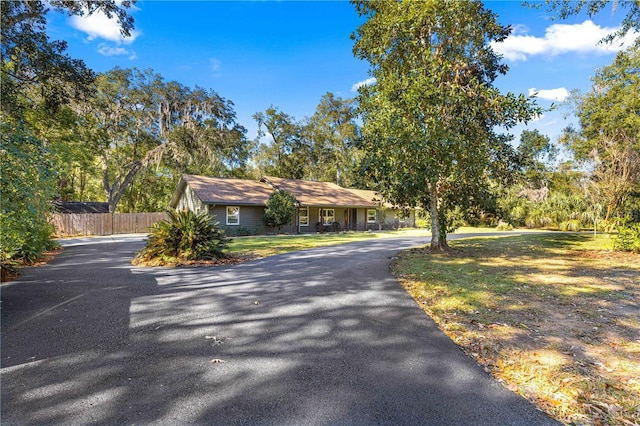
x,y
125,136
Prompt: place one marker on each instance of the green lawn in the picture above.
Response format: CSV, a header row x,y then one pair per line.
x,y
264,246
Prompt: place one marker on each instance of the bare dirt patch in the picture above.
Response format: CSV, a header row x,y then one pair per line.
x,y
173,262
557,323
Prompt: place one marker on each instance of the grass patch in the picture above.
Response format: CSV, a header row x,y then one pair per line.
x,y
553,316
263,246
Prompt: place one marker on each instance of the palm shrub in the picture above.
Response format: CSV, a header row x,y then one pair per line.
x,y
184,236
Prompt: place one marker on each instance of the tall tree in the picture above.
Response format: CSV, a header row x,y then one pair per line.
x,y
535,152
139,121
37,70
608,137
37,79
333,133
428,134
287,153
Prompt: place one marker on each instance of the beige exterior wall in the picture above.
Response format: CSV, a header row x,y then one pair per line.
x,y
190,201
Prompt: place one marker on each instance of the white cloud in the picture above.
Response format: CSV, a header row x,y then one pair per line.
x,y
367,82
559,94
98,26
215,64
105,50
559,39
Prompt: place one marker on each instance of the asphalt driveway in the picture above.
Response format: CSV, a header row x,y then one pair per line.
x,y
319,337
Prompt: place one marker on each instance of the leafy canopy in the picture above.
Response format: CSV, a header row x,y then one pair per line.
x,y
429,119
608,138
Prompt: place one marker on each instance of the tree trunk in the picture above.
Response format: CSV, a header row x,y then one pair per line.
x,y
438,241
114,192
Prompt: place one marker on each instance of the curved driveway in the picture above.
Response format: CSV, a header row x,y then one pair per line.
x,y
319,337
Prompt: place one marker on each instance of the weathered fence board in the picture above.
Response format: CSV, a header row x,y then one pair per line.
x,y
104,223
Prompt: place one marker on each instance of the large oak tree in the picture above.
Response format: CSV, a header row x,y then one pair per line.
x,y
137,120
429,135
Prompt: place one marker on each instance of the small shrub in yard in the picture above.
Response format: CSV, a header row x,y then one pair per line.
x,y
281,206
628,238
504,226
184,237
573,225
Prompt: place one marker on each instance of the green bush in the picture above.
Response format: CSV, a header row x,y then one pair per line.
x,y
280,208
628,238
26,189
504,226
185,236
571,225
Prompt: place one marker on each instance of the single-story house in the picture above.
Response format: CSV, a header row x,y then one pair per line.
x,y
239,204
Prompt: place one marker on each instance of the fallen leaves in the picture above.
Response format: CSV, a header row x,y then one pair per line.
x,y
557,326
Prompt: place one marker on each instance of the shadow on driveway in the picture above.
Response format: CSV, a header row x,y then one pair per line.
x,y
324,336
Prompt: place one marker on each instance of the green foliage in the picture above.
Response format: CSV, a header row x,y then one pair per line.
x,y
185,236
422,223
288,152
161,124
628,237
608,139
280,208
573,225
333,132
25,195
504,226
535,151
321,148
428,135
34,64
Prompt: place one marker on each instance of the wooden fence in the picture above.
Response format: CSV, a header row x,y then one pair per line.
x,y
68,225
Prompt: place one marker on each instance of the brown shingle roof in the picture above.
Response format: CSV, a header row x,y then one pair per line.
x,y
373,196
212,190
322,194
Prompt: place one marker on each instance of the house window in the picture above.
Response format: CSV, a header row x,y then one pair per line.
x,y
233,215
303,214
328,216
371,215
403,216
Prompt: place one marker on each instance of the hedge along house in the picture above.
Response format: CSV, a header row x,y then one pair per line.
x,y
239,204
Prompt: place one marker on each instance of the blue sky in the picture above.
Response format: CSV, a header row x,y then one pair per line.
x,y
288,54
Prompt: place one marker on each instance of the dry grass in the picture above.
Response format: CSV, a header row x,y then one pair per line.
x,y
554,317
